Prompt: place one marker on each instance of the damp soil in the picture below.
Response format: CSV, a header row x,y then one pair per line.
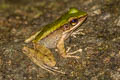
x,y
98,38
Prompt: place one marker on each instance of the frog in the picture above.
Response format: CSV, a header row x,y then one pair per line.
x,y
53,35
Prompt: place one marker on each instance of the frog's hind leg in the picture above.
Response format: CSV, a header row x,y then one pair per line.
x,y
38,59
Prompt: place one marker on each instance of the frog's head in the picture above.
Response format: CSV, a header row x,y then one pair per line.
x,y
74,18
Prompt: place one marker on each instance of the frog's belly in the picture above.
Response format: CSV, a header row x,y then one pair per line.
x,y
51,40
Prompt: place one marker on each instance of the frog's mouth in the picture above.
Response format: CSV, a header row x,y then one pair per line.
x,y
80,21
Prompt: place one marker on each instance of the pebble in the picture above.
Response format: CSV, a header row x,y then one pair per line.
x,y
95,10
106,16
117,21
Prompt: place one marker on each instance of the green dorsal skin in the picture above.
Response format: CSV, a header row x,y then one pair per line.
x,y
73,12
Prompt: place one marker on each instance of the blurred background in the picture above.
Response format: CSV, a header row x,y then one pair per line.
x,y
98,38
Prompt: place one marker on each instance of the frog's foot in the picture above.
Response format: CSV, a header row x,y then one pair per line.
x,y
71,53
74,52
50,69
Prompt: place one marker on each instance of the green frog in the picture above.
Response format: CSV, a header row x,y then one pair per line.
x,y
53,36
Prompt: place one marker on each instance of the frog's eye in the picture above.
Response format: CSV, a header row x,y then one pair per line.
x,y
74,22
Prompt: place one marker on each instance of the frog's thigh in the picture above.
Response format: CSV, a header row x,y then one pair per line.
x,y
61,49
45,55
40,60
36,58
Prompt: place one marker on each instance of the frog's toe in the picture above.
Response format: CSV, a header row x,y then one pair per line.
x,y
74,52
51,70
71,56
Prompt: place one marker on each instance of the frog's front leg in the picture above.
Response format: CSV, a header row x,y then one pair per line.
x,y
61,49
